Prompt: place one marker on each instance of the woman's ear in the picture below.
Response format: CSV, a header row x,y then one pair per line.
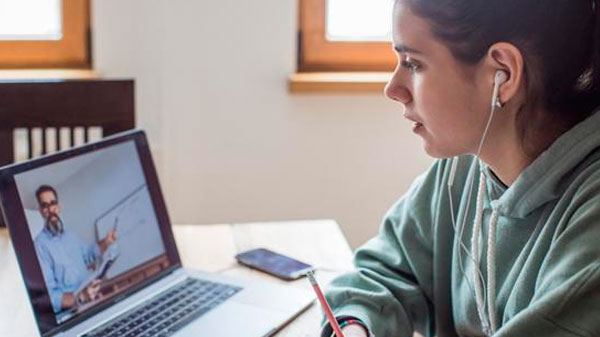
x,y
508,58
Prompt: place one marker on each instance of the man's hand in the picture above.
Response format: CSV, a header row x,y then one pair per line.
x,y
91,292
67,301
110,238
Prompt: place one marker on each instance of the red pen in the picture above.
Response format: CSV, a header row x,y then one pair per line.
x,y
332,321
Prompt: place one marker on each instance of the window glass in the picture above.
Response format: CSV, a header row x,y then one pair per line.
x,y
30,20
359,20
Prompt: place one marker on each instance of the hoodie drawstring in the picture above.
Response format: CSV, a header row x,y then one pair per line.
x,y
475,252
491,267
489,323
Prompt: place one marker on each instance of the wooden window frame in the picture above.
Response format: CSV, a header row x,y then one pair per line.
x,y
318,54
72,51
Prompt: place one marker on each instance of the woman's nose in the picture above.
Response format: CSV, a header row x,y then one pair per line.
x,y
397,92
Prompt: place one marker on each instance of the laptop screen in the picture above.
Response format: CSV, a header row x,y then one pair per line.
x,y
93,228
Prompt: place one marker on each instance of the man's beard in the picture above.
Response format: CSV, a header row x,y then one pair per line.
x,y
54,224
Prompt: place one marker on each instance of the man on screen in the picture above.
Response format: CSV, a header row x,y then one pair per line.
x,y
66,261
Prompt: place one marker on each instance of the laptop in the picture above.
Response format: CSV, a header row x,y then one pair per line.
x,y
95,247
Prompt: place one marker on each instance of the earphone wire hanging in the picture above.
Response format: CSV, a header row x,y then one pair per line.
x,y
481,291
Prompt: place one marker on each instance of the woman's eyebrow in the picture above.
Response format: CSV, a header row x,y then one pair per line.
x,y
400,48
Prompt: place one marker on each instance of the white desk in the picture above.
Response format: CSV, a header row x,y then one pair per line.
x,y
211,248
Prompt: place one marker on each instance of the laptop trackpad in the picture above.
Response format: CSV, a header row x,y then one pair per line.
x,y
233,319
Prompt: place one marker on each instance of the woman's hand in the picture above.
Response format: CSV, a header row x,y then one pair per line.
x,y
354,330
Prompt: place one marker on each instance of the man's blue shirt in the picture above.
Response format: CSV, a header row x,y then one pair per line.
x,y
64,259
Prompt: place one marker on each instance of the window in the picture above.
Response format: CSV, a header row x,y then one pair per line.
x,y
44,34
346,35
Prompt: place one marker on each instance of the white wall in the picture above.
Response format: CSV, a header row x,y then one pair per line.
x,y
232,144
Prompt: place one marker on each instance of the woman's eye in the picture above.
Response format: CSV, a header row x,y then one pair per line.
x,y
410,65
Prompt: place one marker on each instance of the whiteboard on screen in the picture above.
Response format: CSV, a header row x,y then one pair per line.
x,y
138,235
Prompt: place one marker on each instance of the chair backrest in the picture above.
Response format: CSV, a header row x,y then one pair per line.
x,y
49,108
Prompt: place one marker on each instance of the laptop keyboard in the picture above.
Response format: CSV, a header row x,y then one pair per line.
x,y
168,311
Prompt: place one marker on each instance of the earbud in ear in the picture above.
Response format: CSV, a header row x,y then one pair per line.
x,y
500,77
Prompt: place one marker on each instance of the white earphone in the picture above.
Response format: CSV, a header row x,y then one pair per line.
x,y
500,77
488,324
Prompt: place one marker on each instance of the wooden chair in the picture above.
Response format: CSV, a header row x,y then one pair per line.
x,y
40,108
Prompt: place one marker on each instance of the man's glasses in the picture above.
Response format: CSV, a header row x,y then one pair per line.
x,y
45,205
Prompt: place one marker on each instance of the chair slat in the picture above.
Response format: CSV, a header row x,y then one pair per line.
x,y
44,145
57,139
29,143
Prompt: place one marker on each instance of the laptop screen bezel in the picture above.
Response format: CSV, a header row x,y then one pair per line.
x,y
23,242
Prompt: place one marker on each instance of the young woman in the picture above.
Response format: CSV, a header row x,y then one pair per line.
x,y
501,238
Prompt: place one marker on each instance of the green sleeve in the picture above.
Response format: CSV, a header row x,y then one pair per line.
x,y
566,301
391,288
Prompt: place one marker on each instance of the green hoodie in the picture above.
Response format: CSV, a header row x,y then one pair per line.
x,y
546,247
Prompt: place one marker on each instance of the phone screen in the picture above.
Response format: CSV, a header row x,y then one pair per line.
x,y
273,263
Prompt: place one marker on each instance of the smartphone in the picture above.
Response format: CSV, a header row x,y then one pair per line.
x,y
273,263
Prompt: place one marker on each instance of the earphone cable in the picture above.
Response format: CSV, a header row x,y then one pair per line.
x,y
460,228
482,296
462,247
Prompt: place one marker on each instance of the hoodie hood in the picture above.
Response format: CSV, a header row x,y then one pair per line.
x,y
548,175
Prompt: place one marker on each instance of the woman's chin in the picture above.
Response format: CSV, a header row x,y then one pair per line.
x,y
435,154
436,151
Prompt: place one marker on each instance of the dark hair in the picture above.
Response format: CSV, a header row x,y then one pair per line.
x,y
45,188
559,40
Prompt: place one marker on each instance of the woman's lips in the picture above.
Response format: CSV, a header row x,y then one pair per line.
x,y
417,127
416,124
